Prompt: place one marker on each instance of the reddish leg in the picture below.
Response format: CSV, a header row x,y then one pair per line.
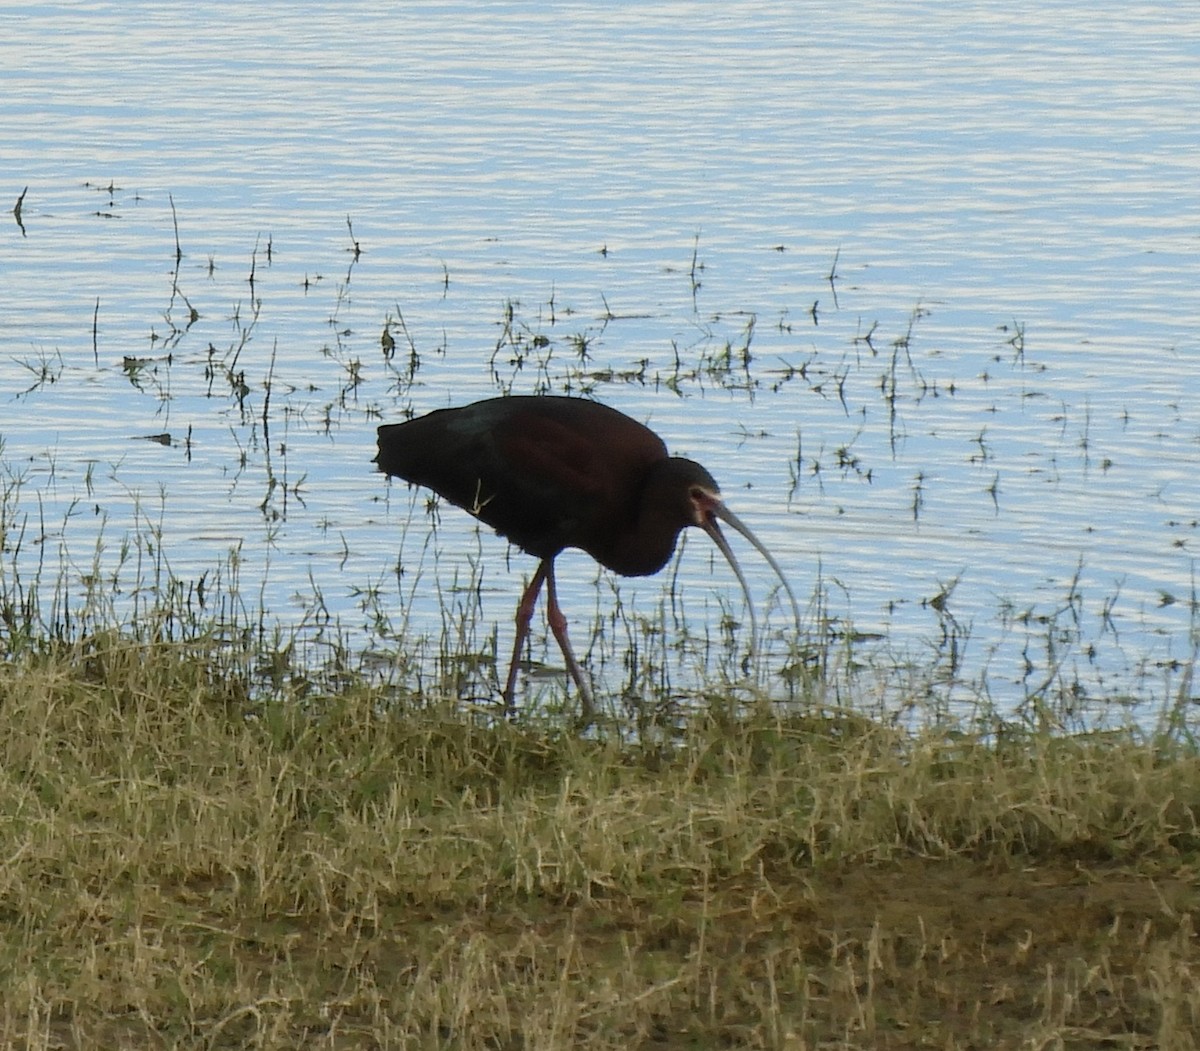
x,y
558,626
524,616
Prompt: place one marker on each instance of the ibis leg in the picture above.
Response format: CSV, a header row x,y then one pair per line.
x,y
558,625
524,616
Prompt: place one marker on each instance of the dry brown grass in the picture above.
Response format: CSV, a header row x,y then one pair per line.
x,y
183,870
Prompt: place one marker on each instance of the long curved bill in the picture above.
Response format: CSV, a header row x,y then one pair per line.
x,y
717,509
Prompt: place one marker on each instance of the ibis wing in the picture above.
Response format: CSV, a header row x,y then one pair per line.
x,y
554,457
546,472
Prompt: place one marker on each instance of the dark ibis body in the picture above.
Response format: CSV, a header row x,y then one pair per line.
x,y
550,473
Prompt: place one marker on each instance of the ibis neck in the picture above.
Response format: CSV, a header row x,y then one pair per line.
x,y
663,510
641,556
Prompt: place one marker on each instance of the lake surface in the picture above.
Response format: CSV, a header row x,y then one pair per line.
x,y
918,285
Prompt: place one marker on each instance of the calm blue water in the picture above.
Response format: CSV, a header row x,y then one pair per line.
x,y
995,396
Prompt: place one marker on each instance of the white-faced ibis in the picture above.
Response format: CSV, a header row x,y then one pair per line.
x,y
550,473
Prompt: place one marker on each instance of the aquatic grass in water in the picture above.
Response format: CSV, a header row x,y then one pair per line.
x,y
903,465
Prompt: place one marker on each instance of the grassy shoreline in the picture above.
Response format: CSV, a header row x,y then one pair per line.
x,y
184,868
